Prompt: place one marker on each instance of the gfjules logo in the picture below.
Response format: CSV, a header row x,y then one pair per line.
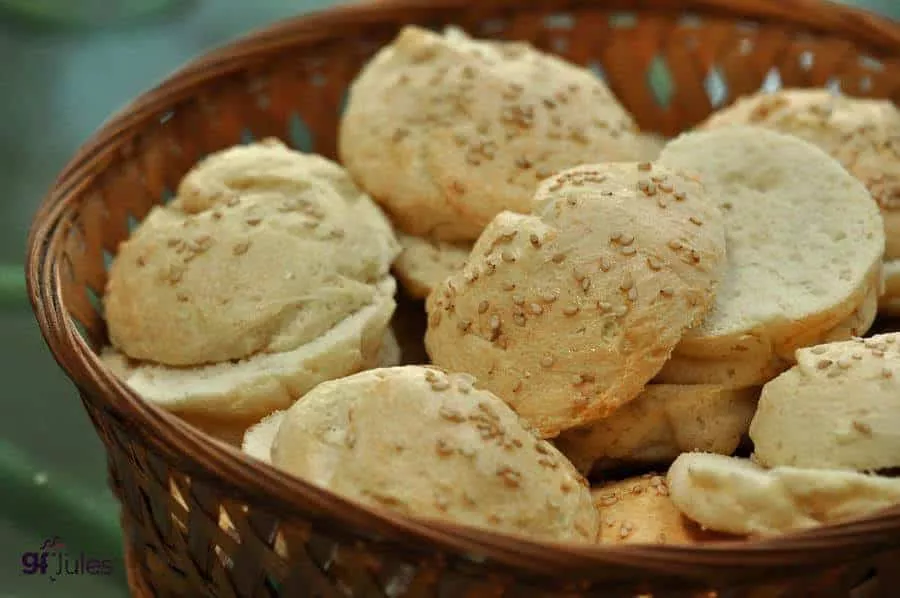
x,y
53,561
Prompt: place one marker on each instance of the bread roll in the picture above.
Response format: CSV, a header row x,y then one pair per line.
x,y
263,250
427,444
424,264
862,133
737,496
234,394
839,407
742,370
446,131
567,313
639,511
663,422
805,243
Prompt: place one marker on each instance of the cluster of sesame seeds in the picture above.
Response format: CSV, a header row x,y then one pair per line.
x,y
577,178
511,477
438,380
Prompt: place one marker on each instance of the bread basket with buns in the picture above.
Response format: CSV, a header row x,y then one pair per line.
x,y
284,418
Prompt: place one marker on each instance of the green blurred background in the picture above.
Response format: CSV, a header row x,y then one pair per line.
x,y
67,64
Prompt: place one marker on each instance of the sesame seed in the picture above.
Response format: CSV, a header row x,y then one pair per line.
x,y
675,244
517,386
627,283
632,294
483,307
586,285
680,195
653,263
558,258
508,286
608,500
604,264
666,292
440,384
626,239
645,166
511,477
878,352
857,356
450,414
628,251
844,363
666,187
614,238
536,309
862,428
519,319
443,448
550,296
518,299
603,306
824,364
508,256
241,248
887,373
571,310
253,221
579,273
464,325
535,240
817,350
547,361
624,530
695,220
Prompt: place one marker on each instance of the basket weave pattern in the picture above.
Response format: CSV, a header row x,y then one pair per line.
x,y
671,63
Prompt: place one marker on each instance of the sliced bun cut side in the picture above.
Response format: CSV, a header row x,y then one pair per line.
x,y
567,313
781,288
863,134
738,497
249,389
753,361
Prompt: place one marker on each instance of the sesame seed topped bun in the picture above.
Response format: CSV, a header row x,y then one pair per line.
x,y
568,312
446,131
638,510
429,444
839,407
805,245
737,496
263,250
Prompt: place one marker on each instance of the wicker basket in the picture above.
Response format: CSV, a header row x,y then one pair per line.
x,y
670,61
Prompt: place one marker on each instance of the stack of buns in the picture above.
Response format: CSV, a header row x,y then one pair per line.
x,y
594,301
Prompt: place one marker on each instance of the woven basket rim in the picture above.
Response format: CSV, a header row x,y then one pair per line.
x,y
209,458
